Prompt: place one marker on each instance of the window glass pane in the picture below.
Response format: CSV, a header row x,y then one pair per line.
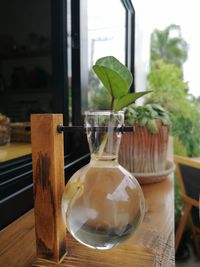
x,y
106,36
25,70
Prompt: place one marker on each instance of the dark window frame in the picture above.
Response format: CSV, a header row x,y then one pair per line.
x,y
59,58
130,39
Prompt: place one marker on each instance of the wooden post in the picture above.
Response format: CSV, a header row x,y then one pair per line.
x,y
48,180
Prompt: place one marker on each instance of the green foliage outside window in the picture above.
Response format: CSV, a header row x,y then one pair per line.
x,y
169,90
169,45
165,80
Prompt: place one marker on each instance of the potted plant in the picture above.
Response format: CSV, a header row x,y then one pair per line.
x,y
144,152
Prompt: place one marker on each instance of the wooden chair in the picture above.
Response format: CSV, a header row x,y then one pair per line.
x,y
188,174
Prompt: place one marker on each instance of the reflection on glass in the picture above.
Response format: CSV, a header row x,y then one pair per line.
x,y
25,70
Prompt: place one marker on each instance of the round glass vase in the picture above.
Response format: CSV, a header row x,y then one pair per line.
x,y
103,203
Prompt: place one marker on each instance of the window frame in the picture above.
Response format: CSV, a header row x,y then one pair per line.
x,y
130,39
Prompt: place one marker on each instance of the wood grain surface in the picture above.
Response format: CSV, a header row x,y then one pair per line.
x,y
48,180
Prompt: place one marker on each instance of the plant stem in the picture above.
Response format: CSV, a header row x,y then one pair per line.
x,y
112,104
111,127
108,138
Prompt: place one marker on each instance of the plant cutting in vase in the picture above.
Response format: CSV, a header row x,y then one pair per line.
x,y
145,150
103,203
117,79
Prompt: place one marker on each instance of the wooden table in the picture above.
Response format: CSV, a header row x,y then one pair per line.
x,y
14,150
152,244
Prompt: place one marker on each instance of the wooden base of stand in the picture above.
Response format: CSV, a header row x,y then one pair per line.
x,y
123,255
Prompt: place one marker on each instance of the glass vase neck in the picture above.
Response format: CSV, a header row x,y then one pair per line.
x,y
104,141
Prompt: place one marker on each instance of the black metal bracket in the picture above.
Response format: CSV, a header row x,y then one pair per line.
x,y
71,129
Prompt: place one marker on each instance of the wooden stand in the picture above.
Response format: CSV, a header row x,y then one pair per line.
x,y
152,245
48,180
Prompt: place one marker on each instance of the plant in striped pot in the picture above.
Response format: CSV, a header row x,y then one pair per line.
x,y
144,152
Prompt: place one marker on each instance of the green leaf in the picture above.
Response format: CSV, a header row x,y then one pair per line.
x,y
114,75
112,81
158,107
128,99
143,121
165,121
152,127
